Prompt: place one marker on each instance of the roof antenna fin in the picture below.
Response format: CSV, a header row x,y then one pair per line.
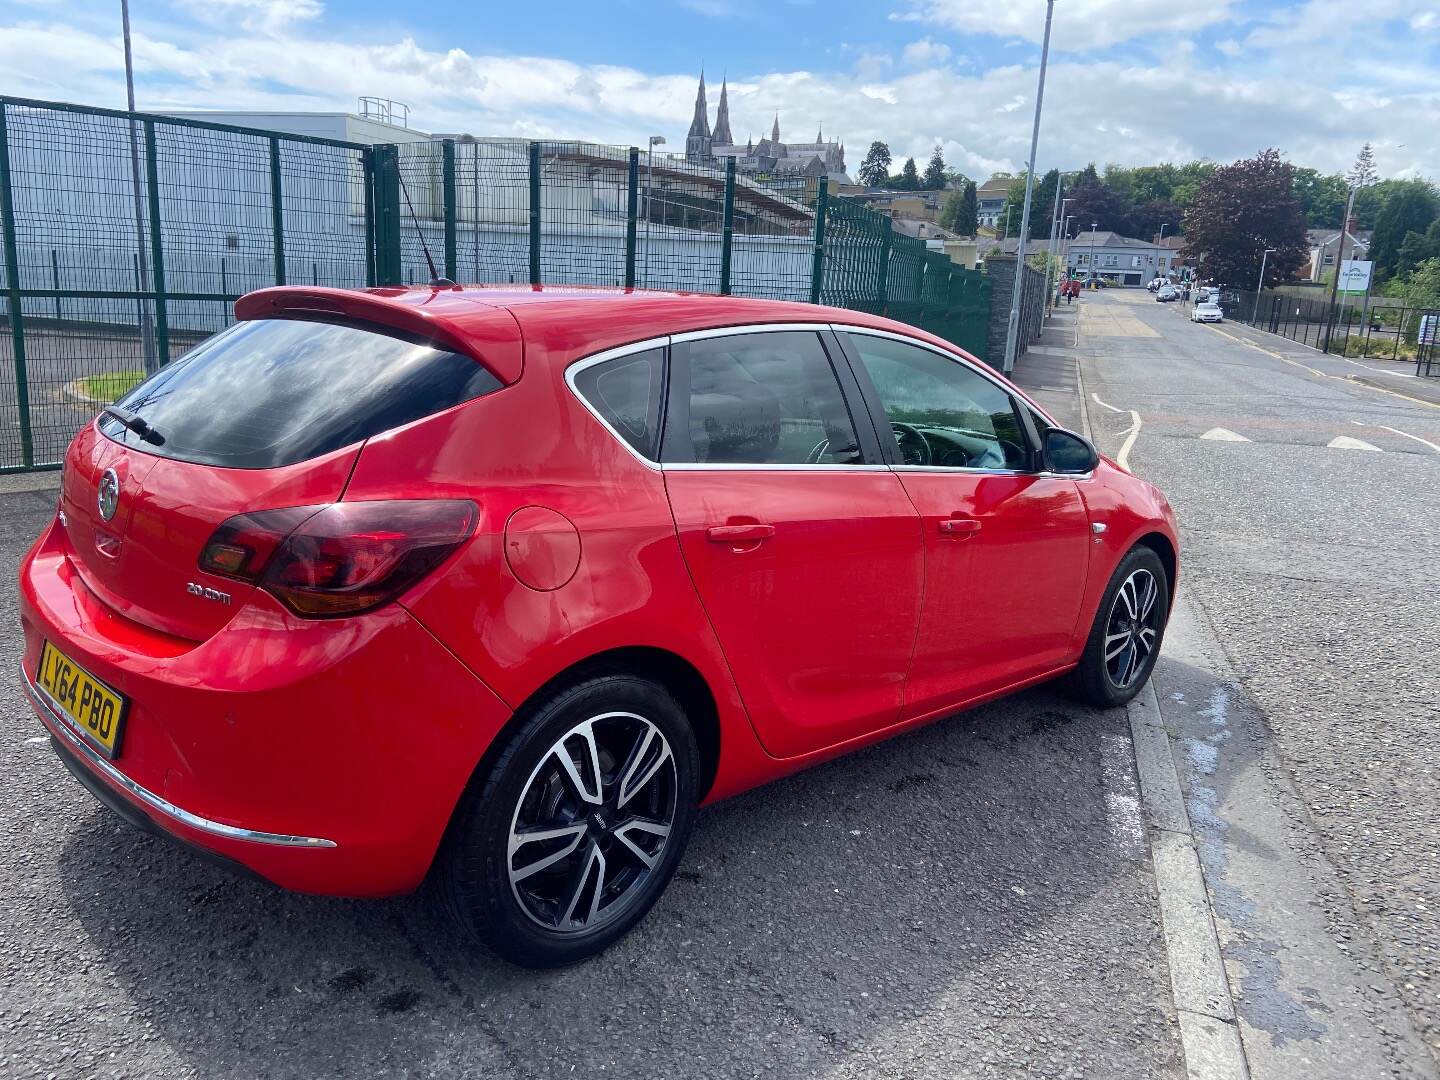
x,y
436,281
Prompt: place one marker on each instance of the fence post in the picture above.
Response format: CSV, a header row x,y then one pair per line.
x,y
727,227
277,211
55,281
632,211
534,213
367,169
12,282
387,215
887,240
817,271
157,246
447,175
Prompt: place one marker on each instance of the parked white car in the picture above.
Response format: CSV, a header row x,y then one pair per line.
x,y
1207,312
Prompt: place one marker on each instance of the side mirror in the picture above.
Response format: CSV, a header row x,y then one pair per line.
x,y
1069,453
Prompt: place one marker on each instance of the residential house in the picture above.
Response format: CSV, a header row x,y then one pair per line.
x,y
1121,258
990,199
1325,249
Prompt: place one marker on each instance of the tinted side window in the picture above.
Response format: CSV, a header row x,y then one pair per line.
x,y
271,392
626,391
762,399
941,412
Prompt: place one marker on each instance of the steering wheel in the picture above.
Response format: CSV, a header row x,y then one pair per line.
x,y
914,448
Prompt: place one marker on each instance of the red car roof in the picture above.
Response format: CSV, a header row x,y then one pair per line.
x,y
558,323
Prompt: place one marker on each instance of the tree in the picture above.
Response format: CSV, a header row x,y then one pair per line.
x,y
967,223
1148,217
935,171
909,178
1241,210
1322,197
1421,288
1410,210
875,169
1092,201
1417,248
1362,173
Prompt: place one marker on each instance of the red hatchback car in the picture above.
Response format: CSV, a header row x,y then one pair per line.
x,y
504,583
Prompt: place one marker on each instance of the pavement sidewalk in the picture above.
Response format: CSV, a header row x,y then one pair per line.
x,y
1049,370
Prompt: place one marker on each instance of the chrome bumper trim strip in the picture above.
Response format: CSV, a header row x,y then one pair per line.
x,y
58,724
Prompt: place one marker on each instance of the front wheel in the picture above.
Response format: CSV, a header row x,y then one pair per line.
x,y
1129,627
579,825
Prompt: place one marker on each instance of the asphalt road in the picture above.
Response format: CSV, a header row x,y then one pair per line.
x,y
1302,679
971,900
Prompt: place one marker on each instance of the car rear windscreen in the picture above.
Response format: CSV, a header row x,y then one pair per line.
x,y
271,392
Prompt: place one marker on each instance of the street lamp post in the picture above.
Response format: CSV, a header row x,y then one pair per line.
x,y
1163,226
1255,311
1339,262
148,343
1060,205
1012,335
655,140
1093,226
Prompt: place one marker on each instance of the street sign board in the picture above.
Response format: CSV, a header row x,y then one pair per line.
x,y
1355,276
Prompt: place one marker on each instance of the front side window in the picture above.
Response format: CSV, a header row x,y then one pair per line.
x,y
759,399
940,411
626,392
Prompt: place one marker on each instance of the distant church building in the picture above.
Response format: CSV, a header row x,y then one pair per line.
x,y
770,156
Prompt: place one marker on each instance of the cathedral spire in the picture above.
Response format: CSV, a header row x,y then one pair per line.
x,y
700,124
775,131
721,135
697,141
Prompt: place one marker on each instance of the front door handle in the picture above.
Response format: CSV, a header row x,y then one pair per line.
x,y
959,527
739,534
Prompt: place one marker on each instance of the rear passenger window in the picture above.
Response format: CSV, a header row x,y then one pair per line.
x,y
626,391
760,399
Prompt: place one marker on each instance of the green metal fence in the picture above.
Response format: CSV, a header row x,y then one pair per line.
x,y
128,237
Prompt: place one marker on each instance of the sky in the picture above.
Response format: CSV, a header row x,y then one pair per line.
x,y
1130,81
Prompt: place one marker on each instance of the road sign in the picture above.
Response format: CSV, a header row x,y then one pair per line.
x,y
1355,276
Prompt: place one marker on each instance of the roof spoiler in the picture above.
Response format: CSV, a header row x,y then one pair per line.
x,y
487,334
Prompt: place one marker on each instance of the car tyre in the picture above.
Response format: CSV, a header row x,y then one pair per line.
x,y
607,830
1128,631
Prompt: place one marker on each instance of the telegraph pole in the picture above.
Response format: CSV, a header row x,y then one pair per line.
x,y
1012,333
1339,262
142,261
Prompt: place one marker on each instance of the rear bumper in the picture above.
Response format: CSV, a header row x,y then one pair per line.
x,y
324,756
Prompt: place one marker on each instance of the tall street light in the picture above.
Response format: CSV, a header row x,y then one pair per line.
x,y
1163,226
655,140
1093,226
1012,333
1060,205
1255,312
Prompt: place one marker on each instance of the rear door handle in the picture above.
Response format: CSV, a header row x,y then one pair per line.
x,y
739,534
959,527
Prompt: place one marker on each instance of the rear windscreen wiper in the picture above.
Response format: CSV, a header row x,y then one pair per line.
x,y
135,424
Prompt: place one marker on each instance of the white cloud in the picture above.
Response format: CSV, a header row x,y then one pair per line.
x,y
1230,47
1078,24
1100,110
257,16
924,53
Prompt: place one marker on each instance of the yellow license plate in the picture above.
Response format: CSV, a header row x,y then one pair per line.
x,y
93,709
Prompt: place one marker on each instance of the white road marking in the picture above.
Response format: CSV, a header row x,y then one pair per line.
x,y
1112,408
1220,434
1133,432
1345,442
1397,431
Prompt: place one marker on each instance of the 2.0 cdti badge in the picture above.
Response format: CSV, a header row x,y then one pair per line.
x,y
500,585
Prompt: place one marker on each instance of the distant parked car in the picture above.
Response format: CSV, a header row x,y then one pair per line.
x,y
1167,293
1207,312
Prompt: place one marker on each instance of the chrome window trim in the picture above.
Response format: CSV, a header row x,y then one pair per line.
x,y
601,358
705,466
749,328
57,723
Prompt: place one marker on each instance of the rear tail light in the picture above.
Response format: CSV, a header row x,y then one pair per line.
x,y
341,559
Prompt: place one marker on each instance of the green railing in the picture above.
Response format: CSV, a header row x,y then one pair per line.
x,y
128,237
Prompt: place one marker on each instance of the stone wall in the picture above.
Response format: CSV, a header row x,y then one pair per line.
x,y
1001,269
